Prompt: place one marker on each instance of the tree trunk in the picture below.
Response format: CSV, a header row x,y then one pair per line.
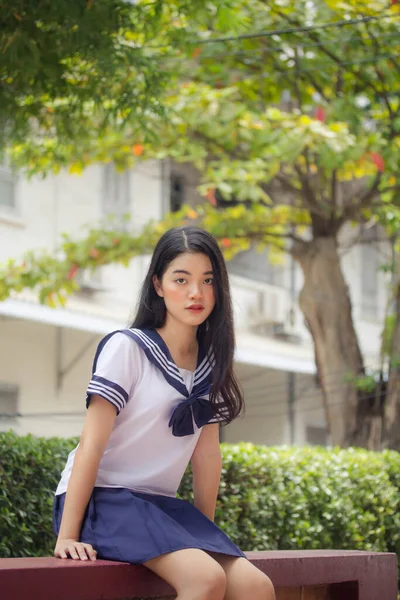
x,y
326,305
391,425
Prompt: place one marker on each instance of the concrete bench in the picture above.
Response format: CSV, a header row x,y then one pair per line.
x,y
297,575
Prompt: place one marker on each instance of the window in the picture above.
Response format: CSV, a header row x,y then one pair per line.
x,y
369,275
7,190
89,282
224,203
316,436
176,192
116,193
8,403
256,265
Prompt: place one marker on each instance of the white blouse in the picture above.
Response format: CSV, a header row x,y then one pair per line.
x,y
160,412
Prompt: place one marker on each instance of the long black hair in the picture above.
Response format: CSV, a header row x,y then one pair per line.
x,y
216,335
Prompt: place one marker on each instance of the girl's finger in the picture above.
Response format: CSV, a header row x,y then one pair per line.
x,y
91,552
73,553
80,548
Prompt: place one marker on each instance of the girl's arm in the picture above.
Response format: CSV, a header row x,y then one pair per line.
x,y
206,467
96,432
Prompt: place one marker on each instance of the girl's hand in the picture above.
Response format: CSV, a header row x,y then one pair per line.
x,y
75,549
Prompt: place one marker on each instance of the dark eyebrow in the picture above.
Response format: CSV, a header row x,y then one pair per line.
x,y
187,272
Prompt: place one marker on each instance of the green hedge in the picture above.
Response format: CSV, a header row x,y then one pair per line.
x,y
270,497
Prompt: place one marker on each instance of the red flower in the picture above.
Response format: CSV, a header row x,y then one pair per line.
x,y
137,149
226,243
377,159
211,197
320,114
72,272
94,253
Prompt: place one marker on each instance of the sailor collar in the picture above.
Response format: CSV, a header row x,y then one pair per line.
x,y
196,404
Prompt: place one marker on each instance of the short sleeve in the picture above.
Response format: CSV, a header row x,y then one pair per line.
x,y
221,412
115,371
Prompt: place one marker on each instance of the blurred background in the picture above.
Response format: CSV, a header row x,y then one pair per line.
x,y
276,127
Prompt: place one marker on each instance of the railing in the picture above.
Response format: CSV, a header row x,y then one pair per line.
x,y
303,574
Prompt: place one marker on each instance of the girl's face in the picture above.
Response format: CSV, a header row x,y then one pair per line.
x,y
187,288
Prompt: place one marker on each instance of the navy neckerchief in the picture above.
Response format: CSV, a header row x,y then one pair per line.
x,y
194,403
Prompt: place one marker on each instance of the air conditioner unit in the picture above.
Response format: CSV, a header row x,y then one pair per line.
x,y
270,316
88,281
270,308
286,333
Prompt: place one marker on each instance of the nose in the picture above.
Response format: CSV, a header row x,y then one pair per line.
x,y
195,292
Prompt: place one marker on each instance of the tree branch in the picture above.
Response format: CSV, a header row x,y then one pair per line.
x,y
353,211
199,135
268,237
306,187
303,74
384,95
395,63
315,37
339,82
296,83
316,85
359,240
371,192
390,188
334,191
286,185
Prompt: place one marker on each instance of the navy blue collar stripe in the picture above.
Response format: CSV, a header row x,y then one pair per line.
x,y
202,367
159,342
176,381
210,361
200,377
151,348
195,406
205,376
152,345
204,362
157,353
205,370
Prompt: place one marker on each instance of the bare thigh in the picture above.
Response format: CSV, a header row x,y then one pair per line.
x,y
244,580
191,572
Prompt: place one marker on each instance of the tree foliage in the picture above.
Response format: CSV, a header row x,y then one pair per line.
x,y
294,112
291,121
74,72
299,498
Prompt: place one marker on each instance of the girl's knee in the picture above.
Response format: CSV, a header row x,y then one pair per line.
x,y
212,583
261,587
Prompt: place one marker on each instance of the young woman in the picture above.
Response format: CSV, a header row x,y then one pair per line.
x,y
155,400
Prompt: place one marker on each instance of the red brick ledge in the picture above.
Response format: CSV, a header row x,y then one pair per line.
x,y
50,578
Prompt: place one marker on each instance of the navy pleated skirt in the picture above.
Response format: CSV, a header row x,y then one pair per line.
x,y
131,527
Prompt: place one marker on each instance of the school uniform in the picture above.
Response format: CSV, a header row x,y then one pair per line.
x,y
133,514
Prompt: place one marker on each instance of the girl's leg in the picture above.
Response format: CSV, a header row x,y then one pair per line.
x,y
244,580
193,574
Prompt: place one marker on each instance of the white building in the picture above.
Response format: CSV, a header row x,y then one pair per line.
x,y
46,354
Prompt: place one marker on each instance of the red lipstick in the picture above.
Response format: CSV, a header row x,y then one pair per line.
x,y
195,308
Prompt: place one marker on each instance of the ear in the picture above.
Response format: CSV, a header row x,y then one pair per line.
x,y
157,286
